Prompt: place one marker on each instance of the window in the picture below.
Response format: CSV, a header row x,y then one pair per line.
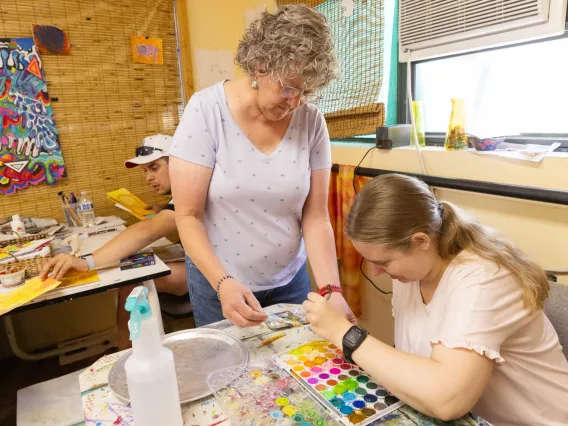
x,y
517,90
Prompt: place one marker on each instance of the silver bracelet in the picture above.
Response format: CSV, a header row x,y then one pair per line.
x,y
226,277
90,261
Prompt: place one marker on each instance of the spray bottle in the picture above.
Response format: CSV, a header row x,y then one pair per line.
x,y
150,369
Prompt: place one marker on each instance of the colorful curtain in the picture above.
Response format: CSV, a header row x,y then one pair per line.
x,y
341,197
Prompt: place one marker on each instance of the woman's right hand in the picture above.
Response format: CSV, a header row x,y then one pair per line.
x,y
62,263
239,304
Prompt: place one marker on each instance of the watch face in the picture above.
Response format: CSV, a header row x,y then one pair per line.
x,y
354,335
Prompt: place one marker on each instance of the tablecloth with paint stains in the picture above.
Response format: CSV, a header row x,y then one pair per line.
x,y
102,408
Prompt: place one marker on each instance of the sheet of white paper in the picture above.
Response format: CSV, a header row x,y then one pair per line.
x,y
531,153
56,402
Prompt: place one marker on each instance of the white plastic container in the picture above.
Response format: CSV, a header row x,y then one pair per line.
x,y
12,276
18,225
150,369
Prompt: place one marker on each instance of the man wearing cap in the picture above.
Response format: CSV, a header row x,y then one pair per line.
x,y
152,156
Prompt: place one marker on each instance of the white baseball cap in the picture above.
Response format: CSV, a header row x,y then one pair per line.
x,y
153,147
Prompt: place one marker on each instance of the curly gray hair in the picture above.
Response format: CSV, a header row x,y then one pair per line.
x,y
293,41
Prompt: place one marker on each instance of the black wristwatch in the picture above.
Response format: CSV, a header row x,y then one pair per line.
x,y
352,340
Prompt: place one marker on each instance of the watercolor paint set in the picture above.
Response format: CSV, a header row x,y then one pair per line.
x,y
343,388
262,394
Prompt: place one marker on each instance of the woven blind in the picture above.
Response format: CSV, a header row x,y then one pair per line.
x,y
350,104
104,104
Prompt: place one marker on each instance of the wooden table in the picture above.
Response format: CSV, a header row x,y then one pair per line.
x,y
102,408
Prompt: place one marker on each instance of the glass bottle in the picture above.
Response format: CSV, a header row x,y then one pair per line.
x,y
418,123
456,138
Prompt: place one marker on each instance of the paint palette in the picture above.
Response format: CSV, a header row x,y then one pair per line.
x,y
343,388
263,394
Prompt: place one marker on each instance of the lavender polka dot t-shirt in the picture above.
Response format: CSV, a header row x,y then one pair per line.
x,y
254,207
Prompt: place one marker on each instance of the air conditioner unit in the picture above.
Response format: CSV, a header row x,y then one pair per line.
x,y
433,28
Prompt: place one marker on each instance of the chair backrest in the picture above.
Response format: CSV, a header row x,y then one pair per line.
x,y
556,309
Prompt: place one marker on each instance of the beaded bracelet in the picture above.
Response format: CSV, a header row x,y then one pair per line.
x,y
325,290
226,277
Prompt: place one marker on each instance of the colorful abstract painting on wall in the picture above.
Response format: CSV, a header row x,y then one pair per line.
x,y
147,50
29,145
50,39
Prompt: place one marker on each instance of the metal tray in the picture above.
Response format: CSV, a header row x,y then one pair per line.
x,y
197,352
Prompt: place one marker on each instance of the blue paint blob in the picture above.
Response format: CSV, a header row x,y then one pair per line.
x,y
337,402
370,398
359,404
349,396
346,410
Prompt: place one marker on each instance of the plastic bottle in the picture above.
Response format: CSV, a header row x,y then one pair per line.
x,y
150,370
18,225
86,210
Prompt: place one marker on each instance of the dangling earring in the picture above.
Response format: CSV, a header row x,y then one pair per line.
x,y
254,85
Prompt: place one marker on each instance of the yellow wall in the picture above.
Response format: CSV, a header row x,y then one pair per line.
x,y
215,30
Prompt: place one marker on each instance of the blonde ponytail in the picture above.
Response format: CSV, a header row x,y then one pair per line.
x,y
392,208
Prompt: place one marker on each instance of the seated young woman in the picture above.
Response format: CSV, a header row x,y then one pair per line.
x,y
470,332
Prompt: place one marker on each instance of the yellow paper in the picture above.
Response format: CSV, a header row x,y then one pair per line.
x,y
131,202
147,50
78,278
29,291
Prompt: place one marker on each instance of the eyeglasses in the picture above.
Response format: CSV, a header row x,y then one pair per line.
x,y
142,151
289,92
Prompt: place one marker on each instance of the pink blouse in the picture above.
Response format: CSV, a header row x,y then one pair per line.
x,y
479,306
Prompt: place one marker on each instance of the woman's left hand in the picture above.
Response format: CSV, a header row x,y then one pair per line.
x,y
326,320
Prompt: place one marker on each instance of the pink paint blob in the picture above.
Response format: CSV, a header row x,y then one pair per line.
x,y
335,371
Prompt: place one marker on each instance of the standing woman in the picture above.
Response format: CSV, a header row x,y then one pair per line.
x,y
250,167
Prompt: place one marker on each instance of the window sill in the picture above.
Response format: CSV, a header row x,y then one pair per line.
x,y
457,164
367,145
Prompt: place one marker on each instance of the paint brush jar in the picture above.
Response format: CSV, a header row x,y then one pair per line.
x,y
70,214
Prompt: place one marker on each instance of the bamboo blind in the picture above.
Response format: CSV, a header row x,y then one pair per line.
x,y
350,104
106,104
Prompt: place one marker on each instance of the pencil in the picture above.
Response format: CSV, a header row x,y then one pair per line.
x,y
270,340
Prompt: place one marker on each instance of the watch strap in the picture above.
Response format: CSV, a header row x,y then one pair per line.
x,y
90,261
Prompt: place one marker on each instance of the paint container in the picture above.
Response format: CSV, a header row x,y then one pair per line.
x,y
13,275
343,387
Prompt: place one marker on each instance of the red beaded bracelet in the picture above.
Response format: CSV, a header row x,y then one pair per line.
x,y
329,289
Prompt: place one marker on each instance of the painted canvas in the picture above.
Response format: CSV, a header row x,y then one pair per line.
x,y
29,144
147,50
51,40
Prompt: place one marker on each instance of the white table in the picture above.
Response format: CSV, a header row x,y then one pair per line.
x,y
109,279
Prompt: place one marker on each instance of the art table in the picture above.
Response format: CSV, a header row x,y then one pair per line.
x,y
102,408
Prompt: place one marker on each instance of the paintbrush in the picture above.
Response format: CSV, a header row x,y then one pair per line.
x,y
74,216
270,340
257,335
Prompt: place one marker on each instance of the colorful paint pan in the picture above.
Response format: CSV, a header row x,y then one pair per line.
x,y
263,394
345,389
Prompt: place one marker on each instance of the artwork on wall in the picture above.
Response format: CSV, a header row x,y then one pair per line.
x,y
147,50
51,40
29,145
